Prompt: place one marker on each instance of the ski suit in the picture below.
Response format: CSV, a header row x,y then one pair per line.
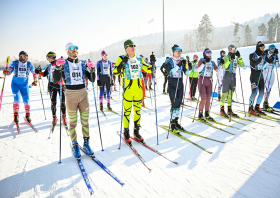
x,y
193,78
205,83
105,75
175,71
229,78
19,83
133,93
220,75
76,95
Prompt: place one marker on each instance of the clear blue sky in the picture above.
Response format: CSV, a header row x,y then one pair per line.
x,y
39,26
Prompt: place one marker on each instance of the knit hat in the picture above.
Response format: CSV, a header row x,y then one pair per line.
x,y
195,56
176,48
103,53
127,43
206,51
259,44
51,55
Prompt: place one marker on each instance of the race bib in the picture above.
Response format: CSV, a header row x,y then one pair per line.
x,y
208,69
22,69
134,65
234,66
76,73
51,74
177,73
259,66
106,68
195,67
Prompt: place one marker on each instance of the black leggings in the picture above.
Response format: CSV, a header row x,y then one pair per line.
x,y
53,95
165,81
193,82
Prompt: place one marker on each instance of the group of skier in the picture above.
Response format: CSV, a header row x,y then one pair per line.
x,y
68,77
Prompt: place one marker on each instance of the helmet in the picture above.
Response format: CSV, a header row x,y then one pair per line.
x,y
272,47
141,56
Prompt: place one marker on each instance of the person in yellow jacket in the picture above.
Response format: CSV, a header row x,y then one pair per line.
x,y
230,64
130,67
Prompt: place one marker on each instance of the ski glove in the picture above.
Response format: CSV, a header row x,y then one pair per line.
x,y
183,62
38,70
232,56
34,83
276,51
112,83
237,53
60,61
41,73
98,83
208,59
5,71
222,61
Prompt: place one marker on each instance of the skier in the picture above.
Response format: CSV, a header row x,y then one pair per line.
x,y
54,88
73,72
193,77
220,73
152,59
104,77
130,67
165,74
19,85
114,77
148,76
271,62
175,68
256,64
205,68
229,64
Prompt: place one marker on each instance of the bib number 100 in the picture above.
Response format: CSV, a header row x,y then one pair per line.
x,y
76,74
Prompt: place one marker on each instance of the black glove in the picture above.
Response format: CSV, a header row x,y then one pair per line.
x,y
194,61
237,53
208,59
275,51
232,56
222,61
269,60
112,83
38,70
183,62
98,83
265,52
125,59
203,62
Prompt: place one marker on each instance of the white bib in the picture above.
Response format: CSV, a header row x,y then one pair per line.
x,y
76,73
195,67
106,68
135,68
22,69
51,74
234,66
208,69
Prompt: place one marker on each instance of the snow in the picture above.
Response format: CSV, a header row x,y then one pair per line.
x,y
247,165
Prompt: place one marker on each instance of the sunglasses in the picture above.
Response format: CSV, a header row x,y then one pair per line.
x,y
23,56
178,49
131,45
104,54
272,48
73,47
262,47
233,48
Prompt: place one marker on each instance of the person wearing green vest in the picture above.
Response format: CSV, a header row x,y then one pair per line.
x,y
194,74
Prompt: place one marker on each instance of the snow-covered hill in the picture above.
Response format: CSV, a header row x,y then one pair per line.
x,y
247,165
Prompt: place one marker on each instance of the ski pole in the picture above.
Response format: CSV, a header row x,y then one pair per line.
x,y
2,92
184,96
242,91
270,77
91,65
155,103
231,96
172,105
42,98
122,103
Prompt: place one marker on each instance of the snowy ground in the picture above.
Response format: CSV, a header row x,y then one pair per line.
x,y
247,165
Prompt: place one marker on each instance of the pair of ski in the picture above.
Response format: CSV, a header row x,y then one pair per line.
x,y
266,117
110,111
29,123
85,175
147,146
53,127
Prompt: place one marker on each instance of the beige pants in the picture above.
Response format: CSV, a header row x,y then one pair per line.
x,y
77,100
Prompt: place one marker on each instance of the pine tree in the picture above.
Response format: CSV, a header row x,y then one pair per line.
x,y
277,25
236,30
270,30
262,29
248,35
203,32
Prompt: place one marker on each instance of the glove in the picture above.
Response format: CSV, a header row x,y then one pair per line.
x,y
275,51
60,61
98,83
38,70
41,74
183,62
203,62
222,61
112,83
34,83
125,59
188,58
237,53
90,64
232,56
194,61
207,59
5,71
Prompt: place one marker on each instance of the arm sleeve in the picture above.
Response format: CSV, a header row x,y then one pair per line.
x,y
11,68
161,68
215,67
98,69
118,69
146,68
200,66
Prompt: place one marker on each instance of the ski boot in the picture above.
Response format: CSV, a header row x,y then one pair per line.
x,y
109,107
222,112
27,116
127,136
87,147
257,109
267,107
16,118
101,106
178,126
150,87
173,127
208,117
219,97
76,150
251,111
54,119
64,119
230,112
146,88
164,91
200,116
137,136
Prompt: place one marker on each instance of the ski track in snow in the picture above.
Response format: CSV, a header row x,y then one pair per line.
x,y
247,165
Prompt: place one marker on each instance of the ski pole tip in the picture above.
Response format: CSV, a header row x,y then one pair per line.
x,y
102,150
